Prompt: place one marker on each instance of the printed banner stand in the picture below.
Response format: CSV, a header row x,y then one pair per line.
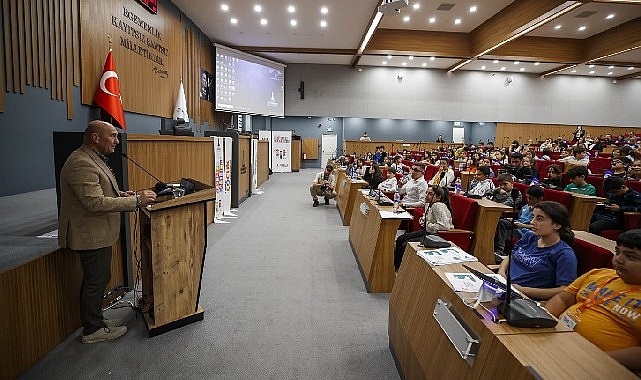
x,y
254,172
219,179
226,196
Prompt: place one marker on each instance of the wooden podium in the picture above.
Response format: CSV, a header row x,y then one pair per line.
x,y
172,237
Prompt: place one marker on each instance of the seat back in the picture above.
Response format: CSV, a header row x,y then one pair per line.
x,y
598,165
562,197
464,211
634,185
597,182
590,256
430,170
523,188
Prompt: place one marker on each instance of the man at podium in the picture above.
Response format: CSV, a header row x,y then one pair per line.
x,y
89,222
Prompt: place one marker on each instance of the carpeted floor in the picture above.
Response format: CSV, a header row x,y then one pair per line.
x,y
283,299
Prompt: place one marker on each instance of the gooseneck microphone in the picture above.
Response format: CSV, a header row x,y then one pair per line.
x,y
160,185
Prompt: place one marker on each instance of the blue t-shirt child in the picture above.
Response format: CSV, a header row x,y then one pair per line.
x,y
547,267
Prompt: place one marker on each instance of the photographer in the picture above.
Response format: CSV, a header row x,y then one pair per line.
x,y
323,185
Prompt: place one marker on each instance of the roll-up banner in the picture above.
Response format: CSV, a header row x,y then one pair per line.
x,y
227,193
281,151
219,178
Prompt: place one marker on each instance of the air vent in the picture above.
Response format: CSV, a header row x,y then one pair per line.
x,y
445,7
585,14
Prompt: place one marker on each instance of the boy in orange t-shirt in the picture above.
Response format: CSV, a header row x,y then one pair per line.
x,y
604,305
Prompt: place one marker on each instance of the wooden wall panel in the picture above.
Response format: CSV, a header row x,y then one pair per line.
x,y
310,149
507,132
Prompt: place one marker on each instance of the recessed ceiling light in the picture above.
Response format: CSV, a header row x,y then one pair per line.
x,y
291,9
432,20
590,66
385,63
224,7
432,58
557,27
293,22
610,16
263,21
404,63
582,28
473,9
411,57
406,18
522,69
416,5
574,71
482,67
610,67
457,21
610,73
323,24
516,62
234,21
503,68
258,8
424,64
324,10
591,72
537,63
495,61
630,68
389,56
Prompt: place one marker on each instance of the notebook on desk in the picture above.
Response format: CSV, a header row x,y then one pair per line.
x,y
493,281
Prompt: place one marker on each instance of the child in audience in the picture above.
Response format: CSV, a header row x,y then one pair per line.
x,y
391,183
604,305
553,180
578,158
620,167
503,193
635,171
577,175
481,183
542,262
620,200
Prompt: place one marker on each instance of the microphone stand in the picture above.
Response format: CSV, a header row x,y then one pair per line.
x,y
160,185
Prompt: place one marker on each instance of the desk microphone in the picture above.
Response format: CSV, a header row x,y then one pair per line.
x,y
522,312
160,185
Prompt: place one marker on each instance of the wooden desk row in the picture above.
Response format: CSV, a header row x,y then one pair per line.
x,y
423,350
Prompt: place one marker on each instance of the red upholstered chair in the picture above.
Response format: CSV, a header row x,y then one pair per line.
x,y
597,182
542,167
590,256
632,221
430,170
599,165
407,163
523,188
464,212
605,155
634,185
555,155
562,197
417,213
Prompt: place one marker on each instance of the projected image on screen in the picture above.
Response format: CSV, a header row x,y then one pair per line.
x,y
247,84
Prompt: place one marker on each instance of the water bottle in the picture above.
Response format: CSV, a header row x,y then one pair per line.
x,y
458,188
397,201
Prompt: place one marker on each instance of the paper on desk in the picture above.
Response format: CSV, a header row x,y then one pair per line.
x,y
464,282
444,256
393,215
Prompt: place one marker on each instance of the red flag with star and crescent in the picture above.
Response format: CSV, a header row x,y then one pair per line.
x,y
107,94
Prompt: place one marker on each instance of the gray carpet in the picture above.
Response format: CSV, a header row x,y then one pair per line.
x,y
283,299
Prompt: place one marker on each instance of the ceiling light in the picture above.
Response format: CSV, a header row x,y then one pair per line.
x,y
404,63
473,9
370,32
630,68
557,27
432,20
610,73
457,21
574,71
610,16
516,62
591,72
323,23
424,64
495,61
537,63
460,65
389,56
582,28
293,22
411,57
416,5
406,18
591,66
610,67
522,69
482,67
224,7
291,9
263,21
385,63
234,21
432,58
324,10
258,8
503,68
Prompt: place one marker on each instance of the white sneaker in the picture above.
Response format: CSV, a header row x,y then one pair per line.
x,y
105,333
111,323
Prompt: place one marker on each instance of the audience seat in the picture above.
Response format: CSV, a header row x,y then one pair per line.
x,y
634,185
597,182
599,165
430,170
464,212
542,167
632,221
590,256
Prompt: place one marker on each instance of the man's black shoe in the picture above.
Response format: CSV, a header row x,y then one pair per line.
x,y
315,203
326,200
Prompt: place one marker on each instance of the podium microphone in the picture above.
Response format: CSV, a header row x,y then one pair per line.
x,y
160,185
522,312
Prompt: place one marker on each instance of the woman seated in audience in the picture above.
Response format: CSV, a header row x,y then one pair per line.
x,y
543,263
437,216
553,179
373,175
391,183
634,173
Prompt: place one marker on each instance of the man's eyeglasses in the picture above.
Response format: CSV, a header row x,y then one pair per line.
x,y
616,162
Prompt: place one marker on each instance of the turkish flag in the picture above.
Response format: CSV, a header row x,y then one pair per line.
x,y
107,94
